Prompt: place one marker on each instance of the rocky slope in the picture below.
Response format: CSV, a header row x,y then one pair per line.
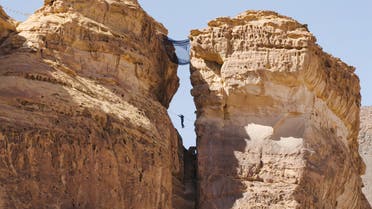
x,y
84,87
365,149
278,118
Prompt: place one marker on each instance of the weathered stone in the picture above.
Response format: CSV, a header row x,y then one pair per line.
x,y
7,25
277,118
365,149
84,88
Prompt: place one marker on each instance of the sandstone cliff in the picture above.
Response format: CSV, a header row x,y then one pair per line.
x,y
84,87
365,149
278,118
7,25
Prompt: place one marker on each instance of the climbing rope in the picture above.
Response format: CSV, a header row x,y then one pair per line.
x,y
175,114
185,118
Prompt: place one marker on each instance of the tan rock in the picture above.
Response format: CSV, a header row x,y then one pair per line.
x,y
7,25
365,149
84,88
278,118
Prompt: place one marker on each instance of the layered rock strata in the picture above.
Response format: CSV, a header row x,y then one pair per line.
x,y
84,87
277,118
365,149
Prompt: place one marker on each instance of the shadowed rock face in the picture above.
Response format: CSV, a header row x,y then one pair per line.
x,y
84,87
365,149
278,118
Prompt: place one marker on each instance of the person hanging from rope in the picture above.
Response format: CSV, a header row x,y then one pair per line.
x,y
182,120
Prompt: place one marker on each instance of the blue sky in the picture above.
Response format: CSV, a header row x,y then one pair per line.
x,y
343,28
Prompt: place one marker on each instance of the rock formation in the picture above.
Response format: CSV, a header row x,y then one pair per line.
x,y
7,25
277,118
365,149
84,87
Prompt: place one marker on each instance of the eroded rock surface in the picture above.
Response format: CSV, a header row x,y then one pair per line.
x,y
365,149
278,118
7,25
84,88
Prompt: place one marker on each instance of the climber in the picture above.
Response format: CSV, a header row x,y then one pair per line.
x,y
182,120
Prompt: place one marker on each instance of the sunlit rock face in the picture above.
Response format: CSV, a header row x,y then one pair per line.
x,y
7,25
365,149
277,118
84,87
